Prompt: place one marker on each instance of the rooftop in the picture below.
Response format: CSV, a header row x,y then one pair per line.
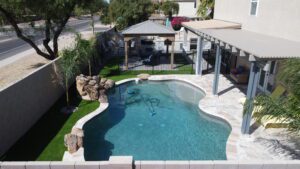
x,y
148,28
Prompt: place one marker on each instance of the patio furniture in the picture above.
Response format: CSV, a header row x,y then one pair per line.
x,y
240,75
152,59
267,121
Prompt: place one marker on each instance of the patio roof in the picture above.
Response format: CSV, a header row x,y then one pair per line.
x,y
259,45
148,28
211,24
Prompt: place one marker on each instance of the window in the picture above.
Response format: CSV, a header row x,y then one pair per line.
x,y
254,6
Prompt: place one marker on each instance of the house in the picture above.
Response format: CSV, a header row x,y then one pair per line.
x,y
251,34
187,8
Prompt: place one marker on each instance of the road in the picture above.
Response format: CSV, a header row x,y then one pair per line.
x,y
14,45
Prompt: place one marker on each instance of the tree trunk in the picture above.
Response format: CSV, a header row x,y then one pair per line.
x,y
90,67
20,34
67,92
93,24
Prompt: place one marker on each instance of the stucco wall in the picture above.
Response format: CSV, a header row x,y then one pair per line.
x,y
24,102
275,17
187,9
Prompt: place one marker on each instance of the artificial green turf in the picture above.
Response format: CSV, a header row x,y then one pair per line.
x,y
112,71
55,149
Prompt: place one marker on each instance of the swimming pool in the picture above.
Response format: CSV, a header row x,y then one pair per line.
x,y
155,121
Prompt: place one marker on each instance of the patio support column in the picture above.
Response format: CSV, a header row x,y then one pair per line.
x,y
172,55
251,92
185,34
217,70
199,60
126,55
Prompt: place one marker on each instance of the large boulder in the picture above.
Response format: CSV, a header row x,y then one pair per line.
x,y
103,99
109,84
93,87
71,143
92,92
79,134
80,83
143,76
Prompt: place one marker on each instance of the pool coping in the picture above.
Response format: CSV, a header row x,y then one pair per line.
x,y
211,110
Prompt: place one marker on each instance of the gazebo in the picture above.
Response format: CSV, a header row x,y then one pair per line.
x,y
148,28
259,49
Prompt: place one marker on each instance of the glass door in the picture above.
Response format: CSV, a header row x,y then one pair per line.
x,y
267,79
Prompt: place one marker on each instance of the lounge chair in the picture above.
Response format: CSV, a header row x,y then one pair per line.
x,y
267,121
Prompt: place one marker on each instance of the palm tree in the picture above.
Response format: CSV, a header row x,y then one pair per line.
x,y
83,49
69,65
206,9
286,108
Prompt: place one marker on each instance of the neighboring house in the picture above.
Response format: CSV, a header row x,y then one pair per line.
x,y
188,8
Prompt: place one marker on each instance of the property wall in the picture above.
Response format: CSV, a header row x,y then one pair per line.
x,y
275,17
187,9
154,165
24,102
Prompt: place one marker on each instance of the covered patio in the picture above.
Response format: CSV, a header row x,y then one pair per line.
x,y
258,49
149,29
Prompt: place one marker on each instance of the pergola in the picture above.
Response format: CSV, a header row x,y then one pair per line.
x,y
148,28
260,50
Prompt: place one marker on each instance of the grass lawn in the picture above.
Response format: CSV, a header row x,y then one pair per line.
x,y
112,71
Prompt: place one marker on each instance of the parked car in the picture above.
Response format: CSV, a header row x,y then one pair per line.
x,y
177,21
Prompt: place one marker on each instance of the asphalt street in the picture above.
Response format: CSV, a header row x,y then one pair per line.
x,y
14,45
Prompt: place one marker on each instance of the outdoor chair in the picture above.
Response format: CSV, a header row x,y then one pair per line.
x,y
267,121
152,59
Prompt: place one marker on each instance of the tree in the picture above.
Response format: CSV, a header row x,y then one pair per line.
x,y
69,65
287,107
54,13
170,8
96,6
206,9
129,12
83,51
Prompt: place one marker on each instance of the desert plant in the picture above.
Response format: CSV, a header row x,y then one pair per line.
x,y
284,108
69,65
83,51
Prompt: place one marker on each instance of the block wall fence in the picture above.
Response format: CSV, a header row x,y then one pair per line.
x,y
154,165
23,103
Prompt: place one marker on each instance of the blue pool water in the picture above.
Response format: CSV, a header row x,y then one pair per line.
x,y
155,121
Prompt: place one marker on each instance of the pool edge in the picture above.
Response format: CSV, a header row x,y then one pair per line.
x,y
232,141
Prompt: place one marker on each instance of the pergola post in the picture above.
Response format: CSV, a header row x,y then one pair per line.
x,y
251,92
126,55
185,34
217,70
199,60
172,55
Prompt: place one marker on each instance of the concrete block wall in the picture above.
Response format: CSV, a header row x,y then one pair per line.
x,y
130,164
24,102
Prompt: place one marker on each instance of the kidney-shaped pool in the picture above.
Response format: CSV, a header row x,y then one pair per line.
x,y
155,121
